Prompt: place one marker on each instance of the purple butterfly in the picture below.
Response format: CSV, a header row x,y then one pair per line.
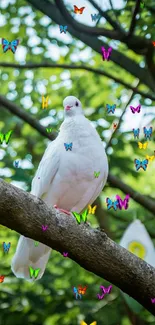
x,y
65,254
123,203
135,109
153,300
106,54
44,228
105,290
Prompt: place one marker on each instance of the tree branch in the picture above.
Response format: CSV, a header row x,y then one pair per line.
x,y
13,108
77,67
120,59
133,21
101,255
94,31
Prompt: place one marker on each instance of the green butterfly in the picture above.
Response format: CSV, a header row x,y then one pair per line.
x,y
49,130
36,243
33,273
5,137
80,217
96,174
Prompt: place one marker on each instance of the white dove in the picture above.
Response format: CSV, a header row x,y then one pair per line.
x,y
66,179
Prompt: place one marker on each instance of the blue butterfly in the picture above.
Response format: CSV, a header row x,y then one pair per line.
x,y
136,133
111,204
6,247
110,109
141,164
9,45
75,291
68,146
63,29
16,163
95,17
148,132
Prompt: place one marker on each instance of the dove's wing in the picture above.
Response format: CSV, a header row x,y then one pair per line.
x,y
46,171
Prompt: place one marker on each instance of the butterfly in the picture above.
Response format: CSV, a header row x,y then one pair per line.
x,y
65,254
135,109
92,210
9,45
147,133
68,146
45,102
136,133
105,290
124,202
106,54
153,300
44,228
111,204
84,323
78,10
63,29
49,130
150,158
95,17
142,5
33,272
5,137
80,217
142,145
141,164
96,174
81,290
6,247
16,163
110,109
76,293
2,278
36,243
115,126
153,43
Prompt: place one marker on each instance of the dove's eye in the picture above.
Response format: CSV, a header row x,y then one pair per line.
x,y
77,104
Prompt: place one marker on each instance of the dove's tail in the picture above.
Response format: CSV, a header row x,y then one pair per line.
x,y
29,258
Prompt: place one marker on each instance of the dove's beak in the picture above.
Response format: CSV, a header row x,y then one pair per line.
x,y
67,108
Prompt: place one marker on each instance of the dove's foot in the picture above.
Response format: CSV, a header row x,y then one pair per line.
x,y
62,210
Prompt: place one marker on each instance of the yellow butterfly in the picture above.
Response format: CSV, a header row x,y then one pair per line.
x,y
84,323
92,210
150,158
142,145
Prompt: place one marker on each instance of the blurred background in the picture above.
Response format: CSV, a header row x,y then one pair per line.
x,y
57,65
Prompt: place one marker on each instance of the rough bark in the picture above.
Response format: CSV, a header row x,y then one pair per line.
x,y
90,248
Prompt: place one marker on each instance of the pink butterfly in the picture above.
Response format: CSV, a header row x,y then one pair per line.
x,y
135,109
106,54
123,203
44,228
65,254
105,290
153,300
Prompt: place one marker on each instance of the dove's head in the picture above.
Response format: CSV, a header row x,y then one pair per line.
x,y
72,106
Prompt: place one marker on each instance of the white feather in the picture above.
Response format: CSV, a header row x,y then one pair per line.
x,y
66,178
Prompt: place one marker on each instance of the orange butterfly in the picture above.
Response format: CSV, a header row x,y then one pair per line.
x,y
115,126
153,43
81,290
78,10
2,278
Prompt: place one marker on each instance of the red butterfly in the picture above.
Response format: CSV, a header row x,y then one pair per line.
x,y
2,278
153,43
78,10
115,126
81,290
